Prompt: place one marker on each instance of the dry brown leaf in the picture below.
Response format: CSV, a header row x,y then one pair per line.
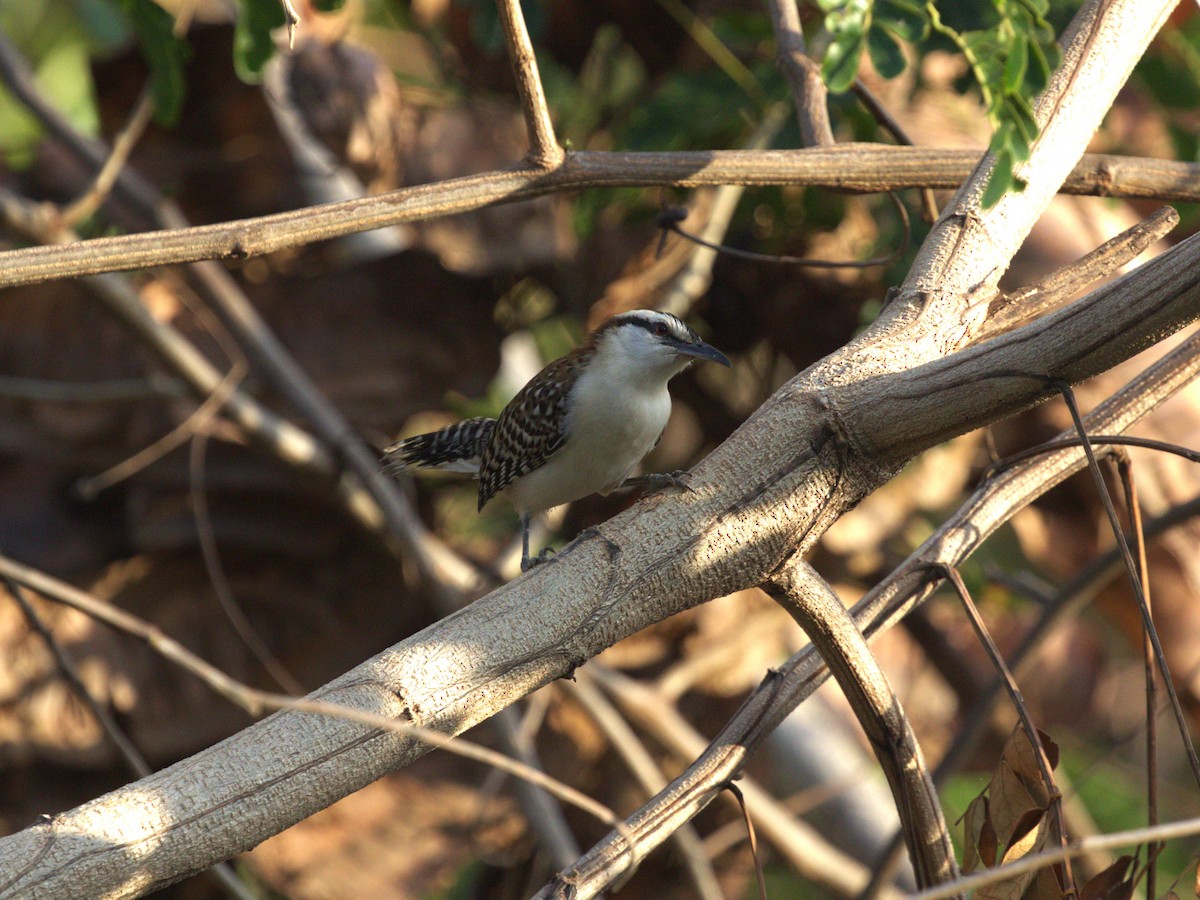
x,y
1045,886
1010,800
1029,836
1111,884
1021,755
1016,786
979,837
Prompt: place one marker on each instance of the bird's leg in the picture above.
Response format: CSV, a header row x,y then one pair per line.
x,y
527,561
661,481
525,566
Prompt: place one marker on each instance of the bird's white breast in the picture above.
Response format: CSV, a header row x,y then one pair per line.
x,y
614,418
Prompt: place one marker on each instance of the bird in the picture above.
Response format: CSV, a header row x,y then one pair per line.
x,y
579,427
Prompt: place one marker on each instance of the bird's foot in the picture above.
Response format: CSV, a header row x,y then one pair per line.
x,y
662,481
530,562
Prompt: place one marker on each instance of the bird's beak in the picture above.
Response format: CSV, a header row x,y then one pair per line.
x,y
702,350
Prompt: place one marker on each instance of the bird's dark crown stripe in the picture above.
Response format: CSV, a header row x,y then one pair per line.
x,y
679,329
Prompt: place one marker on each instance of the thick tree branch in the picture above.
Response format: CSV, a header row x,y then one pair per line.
x,y
940,393
910,584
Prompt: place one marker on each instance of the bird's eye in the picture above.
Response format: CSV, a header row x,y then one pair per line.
x,y
660,329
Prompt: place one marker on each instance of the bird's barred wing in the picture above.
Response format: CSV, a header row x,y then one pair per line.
x,y
455,448
531,429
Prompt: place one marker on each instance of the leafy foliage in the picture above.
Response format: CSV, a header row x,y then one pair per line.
x,y
1010,49
252,43
58,40
165,55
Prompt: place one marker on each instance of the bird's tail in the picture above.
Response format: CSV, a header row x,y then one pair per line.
x,y
455,448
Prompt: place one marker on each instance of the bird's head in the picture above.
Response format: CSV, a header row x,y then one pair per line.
x,y
654,342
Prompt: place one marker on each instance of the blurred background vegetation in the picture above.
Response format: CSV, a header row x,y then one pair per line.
x,y
447,318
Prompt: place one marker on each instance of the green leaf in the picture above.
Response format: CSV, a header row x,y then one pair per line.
x,y
903,18
107,31
51,36
252,42
1001,180
1016,64
886,55
1021,113
1037,75
1019,147
841,59
1037,8
165,54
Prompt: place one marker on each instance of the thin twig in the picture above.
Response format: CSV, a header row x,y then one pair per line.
x,y
198,419
711,44
854,168
70,674
544,151
118,390
1054,798
517,731
1134,511
694,279
759,877
292,19
1131,569
799,804
544,815
1035,861
233,611
18,76
669,220
1097,440
876,108
102,185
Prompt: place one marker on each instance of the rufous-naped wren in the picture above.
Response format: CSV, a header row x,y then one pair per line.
x,y
579,427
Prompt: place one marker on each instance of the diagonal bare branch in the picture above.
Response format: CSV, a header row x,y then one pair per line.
x,y
803,74
816,608
544,151
1023,306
